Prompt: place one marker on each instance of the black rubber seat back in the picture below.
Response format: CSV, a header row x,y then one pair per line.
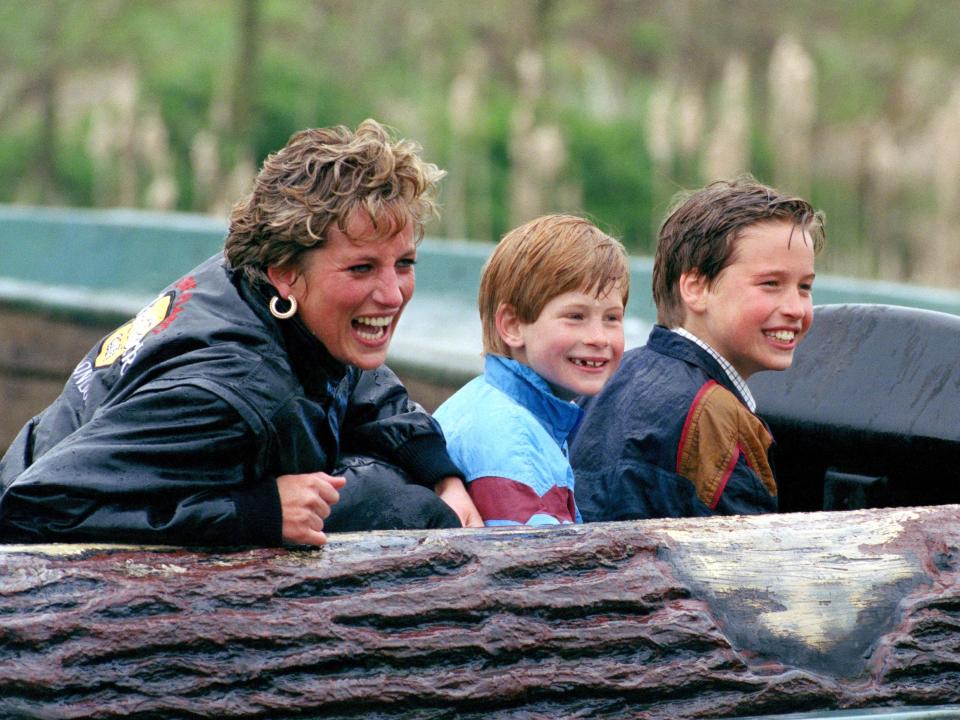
x,y
869,413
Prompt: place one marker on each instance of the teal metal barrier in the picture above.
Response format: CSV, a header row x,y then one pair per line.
x,y
96,264
114,250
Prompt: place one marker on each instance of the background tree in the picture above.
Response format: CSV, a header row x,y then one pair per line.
x,y
605,107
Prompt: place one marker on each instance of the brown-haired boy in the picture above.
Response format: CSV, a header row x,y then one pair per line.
x,y
551,304
674,433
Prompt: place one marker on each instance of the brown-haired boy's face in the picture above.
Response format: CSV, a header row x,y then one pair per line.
x,y
760,306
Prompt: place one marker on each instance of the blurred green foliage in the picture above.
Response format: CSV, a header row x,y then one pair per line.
x,y
618,179
252,72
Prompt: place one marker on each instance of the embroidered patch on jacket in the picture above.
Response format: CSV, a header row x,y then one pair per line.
x,y
124,342
718,429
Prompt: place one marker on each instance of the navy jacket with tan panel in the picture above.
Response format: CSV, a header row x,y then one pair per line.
x,y
670,436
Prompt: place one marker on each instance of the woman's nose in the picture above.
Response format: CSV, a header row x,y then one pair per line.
x,y
388,291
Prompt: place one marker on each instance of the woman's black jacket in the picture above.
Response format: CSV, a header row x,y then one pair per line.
x,y
174,428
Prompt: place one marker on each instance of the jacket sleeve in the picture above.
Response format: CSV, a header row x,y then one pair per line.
x,y
382,421
723,453
171,464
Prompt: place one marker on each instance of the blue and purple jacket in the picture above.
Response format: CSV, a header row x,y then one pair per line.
x,y
508,433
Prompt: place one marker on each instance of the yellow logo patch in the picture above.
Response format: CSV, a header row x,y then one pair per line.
x,y
129,337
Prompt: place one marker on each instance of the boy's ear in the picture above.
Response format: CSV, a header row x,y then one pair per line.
x,y
283,278
693,291
508,326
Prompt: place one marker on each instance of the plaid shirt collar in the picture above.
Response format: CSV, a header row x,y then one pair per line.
x,y
734,376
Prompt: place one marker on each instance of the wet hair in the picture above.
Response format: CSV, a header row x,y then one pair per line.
x,y
323,176
701,230
542,259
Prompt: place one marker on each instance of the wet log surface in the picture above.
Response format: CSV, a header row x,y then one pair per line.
x,y
716,617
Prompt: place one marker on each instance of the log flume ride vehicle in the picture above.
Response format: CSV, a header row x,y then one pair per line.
x,y
807,611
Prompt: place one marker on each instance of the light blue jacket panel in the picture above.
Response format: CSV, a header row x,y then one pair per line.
x,y
507,423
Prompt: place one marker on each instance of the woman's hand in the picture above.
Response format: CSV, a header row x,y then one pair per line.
x,y
305,501
452,491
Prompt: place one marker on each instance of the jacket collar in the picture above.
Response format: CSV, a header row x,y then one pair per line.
x,y
518,381
667,342
728,368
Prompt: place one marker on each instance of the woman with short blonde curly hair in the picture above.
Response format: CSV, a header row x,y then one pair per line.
x,y
325,176
249,404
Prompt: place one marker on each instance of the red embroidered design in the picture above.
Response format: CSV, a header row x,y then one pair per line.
x,y
184,285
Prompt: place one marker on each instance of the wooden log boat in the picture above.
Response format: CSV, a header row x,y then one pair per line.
x,y
692,618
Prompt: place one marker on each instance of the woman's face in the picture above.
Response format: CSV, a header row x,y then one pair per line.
x,y
351,292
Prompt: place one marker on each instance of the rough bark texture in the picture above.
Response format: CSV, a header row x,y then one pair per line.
x,y
664,619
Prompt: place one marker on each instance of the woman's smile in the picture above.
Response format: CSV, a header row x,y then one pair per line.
x,y
373,329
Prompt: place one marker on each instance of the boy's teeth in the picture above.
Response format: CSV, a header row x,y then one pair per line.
x,y
589,363
784,335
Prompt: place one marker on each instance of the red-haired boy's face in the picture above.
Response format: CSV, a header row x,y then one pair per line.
x,y
576,342
760,306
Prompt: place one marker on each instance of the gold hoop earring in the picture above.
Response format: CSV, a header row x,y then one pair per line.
x,y
285,314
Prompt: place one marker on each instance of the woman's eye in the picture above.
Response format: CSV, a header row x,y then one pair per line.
x,y
406,263
360,269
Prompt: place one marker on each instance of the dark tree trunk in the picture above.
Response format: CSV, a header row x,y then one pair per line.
x,y
244,91
700,618
47,84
